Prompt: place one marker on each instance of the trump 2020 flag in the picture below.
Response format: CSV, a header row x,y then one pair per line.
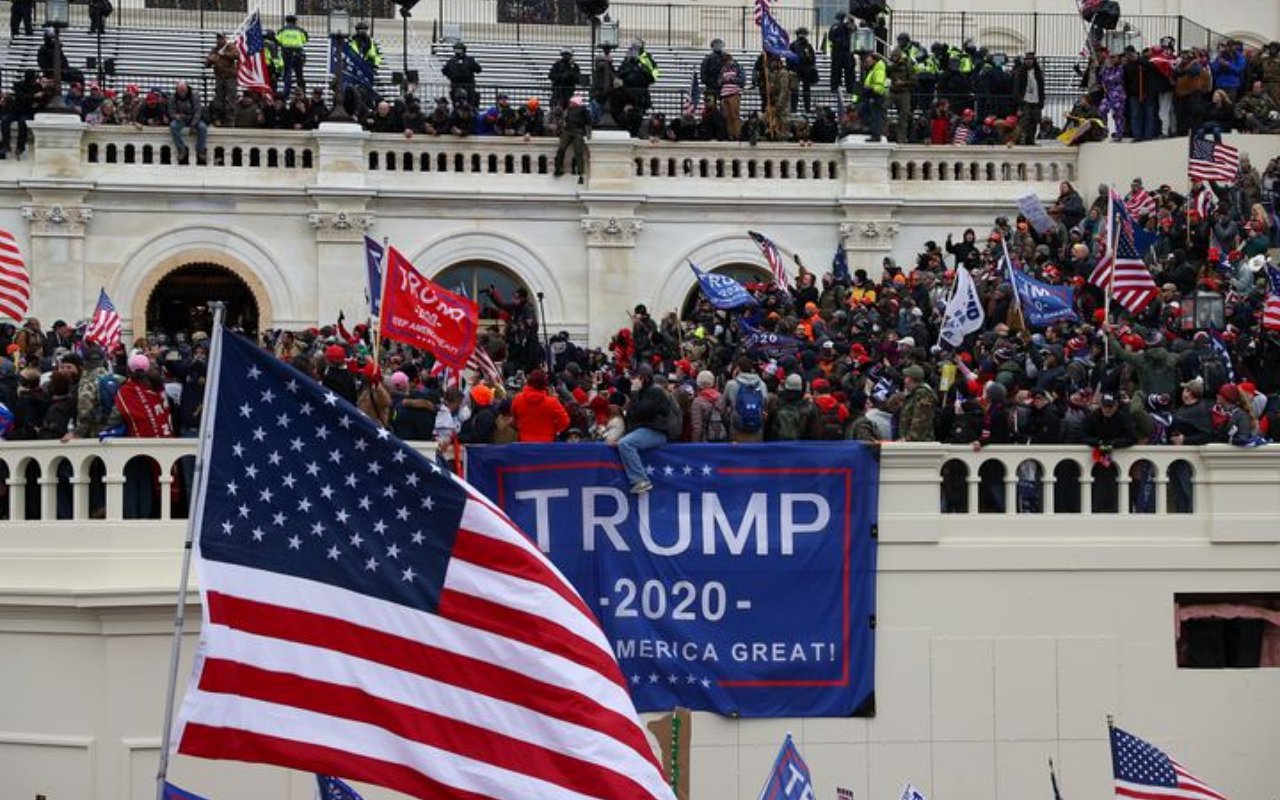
x,y
373,252
425,315
774,38
789,779
964,313
368,615
1043,304
722,291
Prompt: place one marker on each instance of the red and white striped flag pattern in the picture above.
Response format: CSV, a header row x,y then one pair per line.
x,y
1211,161
251,71
104,328
759,9
1140,203
1271,311
15,283
774,258
379,620
481,362
1145,772
1131,285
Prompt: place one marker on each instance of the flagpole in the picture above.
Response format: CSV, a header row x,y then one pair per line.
x,y
382,291
195,513
1013,284
1111,278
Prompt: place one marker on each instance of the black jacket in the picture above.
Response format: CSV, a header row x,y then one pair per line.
x,y
1114,431
649,409
339,380
415,419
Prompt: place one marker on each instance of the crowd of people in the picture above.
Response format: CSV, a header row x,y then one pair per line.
x,y
942,94
836,356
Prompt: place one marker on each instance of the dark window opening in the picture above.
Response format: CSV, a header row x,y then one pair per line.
x,y
1228,631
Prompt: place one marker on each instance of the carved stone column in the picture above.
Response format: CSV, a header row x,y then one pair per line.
x,y
868,239
614,281
340,227
57,220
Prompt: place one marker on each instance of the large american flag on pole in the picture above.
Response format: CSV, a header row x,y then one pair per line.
x,y
252,74
773,257
759,9
15,283
1143,772
368,615
1211,161
1131,285
104,328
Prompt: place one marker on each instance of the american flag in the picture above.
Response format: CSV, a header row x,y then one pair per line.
x,y
1140,203
1210,161
369,616
15,284
771,255
104,328
1143,772
252,73
692,102
1131,284
760,9
1271,311
481,362
1204,201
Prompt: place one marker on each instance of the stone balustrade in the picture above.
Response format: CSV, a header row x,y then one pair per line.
x,y
342,155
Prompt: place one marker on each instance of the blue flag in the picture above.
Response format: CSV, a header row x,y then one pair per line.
x,y
1220,347
1043,304
722,291
373,267
764,343
334,789
789,779
172,792
840,265
356,69
774,38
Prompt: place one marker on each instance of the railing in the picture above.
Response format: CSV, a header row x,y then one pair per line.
x,y
666,24
919,163
118,479
1226,493
228,148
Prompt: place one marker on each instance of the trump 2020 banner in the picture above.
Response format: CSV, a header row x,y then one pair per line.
x,y
423,314
743,583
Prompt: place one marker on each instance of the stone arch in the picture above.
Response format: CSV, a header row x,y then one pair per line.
x,y
142,270
713,252
514,255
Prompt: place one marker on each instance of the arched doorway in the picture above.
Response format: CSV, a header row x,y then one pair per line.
x,y
742,273
472,277
180,301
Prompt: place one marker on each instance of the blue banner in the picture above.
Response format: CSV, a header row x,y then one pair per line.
x,y
1043,304
766,344
743,584
722,291
373,269
774,38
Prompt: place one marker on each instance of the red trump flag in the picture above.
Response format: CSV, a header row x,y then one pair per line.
x,y
420,313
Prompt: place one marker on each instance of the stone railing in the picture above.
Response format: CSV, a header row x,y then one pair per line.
x,y
80,481
345,157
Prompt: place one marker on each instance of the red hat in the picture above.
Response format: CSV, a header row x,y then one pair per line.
x,y
1229,392
334,354
1134,342
821,385
537,379
1215,254
1099,315
579,395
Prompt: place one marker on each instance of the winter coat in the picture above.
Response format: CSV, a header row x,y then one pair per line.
x,y
700,414
539,417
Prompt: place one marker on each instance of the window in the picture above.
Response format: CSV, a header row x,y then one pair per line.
x,y
470,277
1228,631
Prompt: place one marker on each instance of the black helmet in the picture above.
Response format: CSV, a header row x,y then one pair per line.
x,y
904,38
362,26
291,18
802,32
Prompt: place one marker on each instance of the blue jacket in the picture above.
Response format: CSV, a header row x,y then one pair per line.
x,y
1227,74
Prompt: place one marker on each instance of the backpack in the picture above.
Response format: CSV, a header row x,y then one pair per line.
x,y
789,421
748,408
832,429
108,386
675,419
715,430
